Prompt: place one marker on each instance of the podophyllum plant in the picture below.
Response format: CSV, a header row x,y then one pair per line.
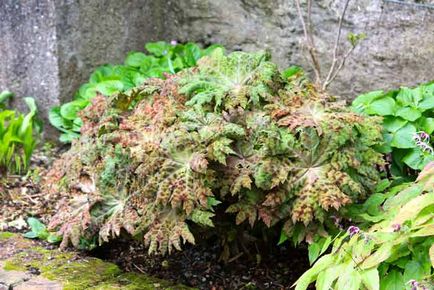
x,y
395,250
163,58
408,123
229,140
17,136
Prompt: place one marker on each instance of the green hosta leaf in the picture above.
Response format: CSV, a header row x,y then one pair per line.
x,y
426,124
36,225
361,102
416,159
393,124
371,279
384,106
136,59
409,113
69,110
403,138
53,238
30,235
159,48
393,281
110,87
407,97
413,271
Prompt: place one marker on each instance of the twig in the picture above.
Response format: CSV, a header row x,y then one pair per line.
x,y
309,39
138,268
235,258
329,77
344,59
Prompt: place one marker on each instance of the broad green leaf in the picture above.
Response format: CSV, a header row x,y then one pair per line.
x,y
36,225
69,110
413,271
382,185
310,275
426,124
360,103
136,59
393,281
326,278
425,231
384,106
406,97
411,209
403,196
403,138
393,124
371,279
408,113
53,238
313,252
30,235
110,87
427,103
378,256
349,279
416,159
159,48
292,70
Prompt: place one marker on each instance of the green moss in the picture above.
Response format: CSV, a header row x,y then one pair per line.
x,y
90,273
10,266
6,235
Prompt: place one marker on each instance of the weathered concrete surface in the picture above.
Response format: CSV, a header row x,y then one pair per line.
x,y
399,49
48,48
28,52
25,264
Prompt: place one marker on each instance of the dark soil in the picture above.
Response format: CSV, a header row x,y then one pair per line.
x,y
199,266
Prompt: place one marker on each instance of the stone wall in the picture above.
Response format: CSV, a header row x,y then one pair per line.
x,y
49,47
398,50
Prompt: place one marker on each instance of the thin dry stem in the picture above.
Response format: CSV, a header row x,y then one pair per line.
x,y
332,74
308,35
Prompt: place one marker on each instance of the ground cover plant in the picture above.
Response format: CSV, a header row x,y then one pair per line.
x,y
162,58
392,248
228,144
18,136
408,122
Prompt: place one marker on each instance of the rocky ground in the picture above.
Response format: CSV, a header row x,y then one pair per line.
x,y
196,266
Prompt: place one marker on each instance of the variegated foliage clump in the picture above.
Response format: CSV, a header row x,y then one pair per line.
x,y
231,134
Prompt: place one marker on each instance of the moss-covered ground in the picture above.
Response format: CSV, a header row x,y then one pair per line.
x,y
70,269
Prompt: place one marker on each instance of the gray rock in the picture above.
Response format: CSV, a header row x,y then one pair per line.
x,y
11,278
38,284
